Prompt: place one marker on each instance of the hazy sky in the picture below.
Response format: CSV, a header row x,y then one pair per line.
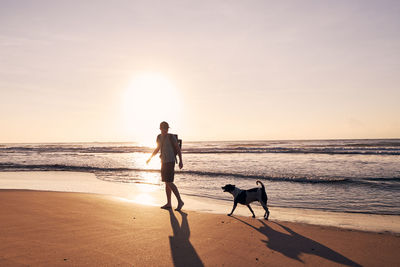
x,y
216,70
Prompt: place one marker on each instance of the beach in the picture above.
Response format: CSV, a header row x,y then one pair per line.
x,y
40,228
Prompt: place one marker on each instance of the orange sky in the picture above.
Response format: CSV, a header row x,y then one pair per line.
x,y
215,70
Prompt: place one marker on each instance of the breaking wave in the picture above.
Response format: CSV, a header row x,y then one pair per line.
x,y
116,172
372,148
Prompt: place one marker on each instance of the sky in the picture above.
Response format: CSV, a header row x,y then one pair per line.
x,y
92,71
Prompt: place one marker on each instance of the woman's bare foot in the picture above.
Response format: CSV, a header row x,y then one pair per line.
x,y
166,206
180,205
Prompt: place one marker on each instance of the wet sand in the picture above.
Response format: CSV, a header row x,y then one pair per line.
x,y
55,228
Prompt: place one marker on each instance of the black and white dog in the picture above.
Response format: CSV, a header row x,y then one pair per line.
x,y
245,197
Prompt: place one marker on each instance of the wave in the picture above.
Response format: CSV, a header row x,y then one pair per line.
x,y
330,151
384,179
117,172
61,167
220,149
270,178
76,149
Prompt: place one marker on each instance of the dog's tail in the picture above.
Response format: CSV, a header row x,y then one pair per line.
x,y
262,185
263,193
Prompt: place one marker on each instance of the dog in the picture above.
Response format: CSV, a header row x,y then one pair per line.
x,y
245,197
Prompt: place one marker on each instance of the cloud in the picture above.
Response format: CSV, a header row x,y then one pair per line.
x,y
14,41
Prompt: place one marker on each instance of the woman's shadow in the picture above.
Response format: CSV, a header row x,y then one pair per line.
x,y
183,253
292,244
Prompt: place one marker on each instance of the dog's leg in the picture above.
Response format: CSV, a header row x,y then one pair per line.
x,y
233,209
252,212
266,214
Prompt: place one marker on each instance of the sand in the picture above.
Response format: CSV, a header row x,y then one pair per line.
x,y
75,229
153,195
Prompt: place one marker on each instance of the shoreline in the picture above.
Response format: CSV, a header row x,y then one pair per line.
x,y
80,229
80,182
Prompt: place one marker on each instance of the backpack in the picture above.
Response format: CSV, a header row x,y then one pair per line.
x,y
173,147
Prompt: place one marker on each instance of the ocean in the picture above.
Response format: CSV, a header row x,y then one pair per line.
x,y
360,176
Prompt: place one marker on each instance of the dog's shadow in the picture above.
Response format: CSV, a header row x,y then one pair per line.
x,y
292,244
182,251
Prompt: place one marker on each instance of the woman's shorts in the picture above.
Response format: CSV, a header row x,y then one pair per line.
x,y
167,171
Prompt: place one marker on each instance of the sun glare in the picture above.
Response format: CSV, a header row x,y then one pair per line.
x,y
149,99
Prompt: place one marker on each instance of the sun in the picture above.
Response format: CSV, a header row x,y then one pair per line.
x,y
149,99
